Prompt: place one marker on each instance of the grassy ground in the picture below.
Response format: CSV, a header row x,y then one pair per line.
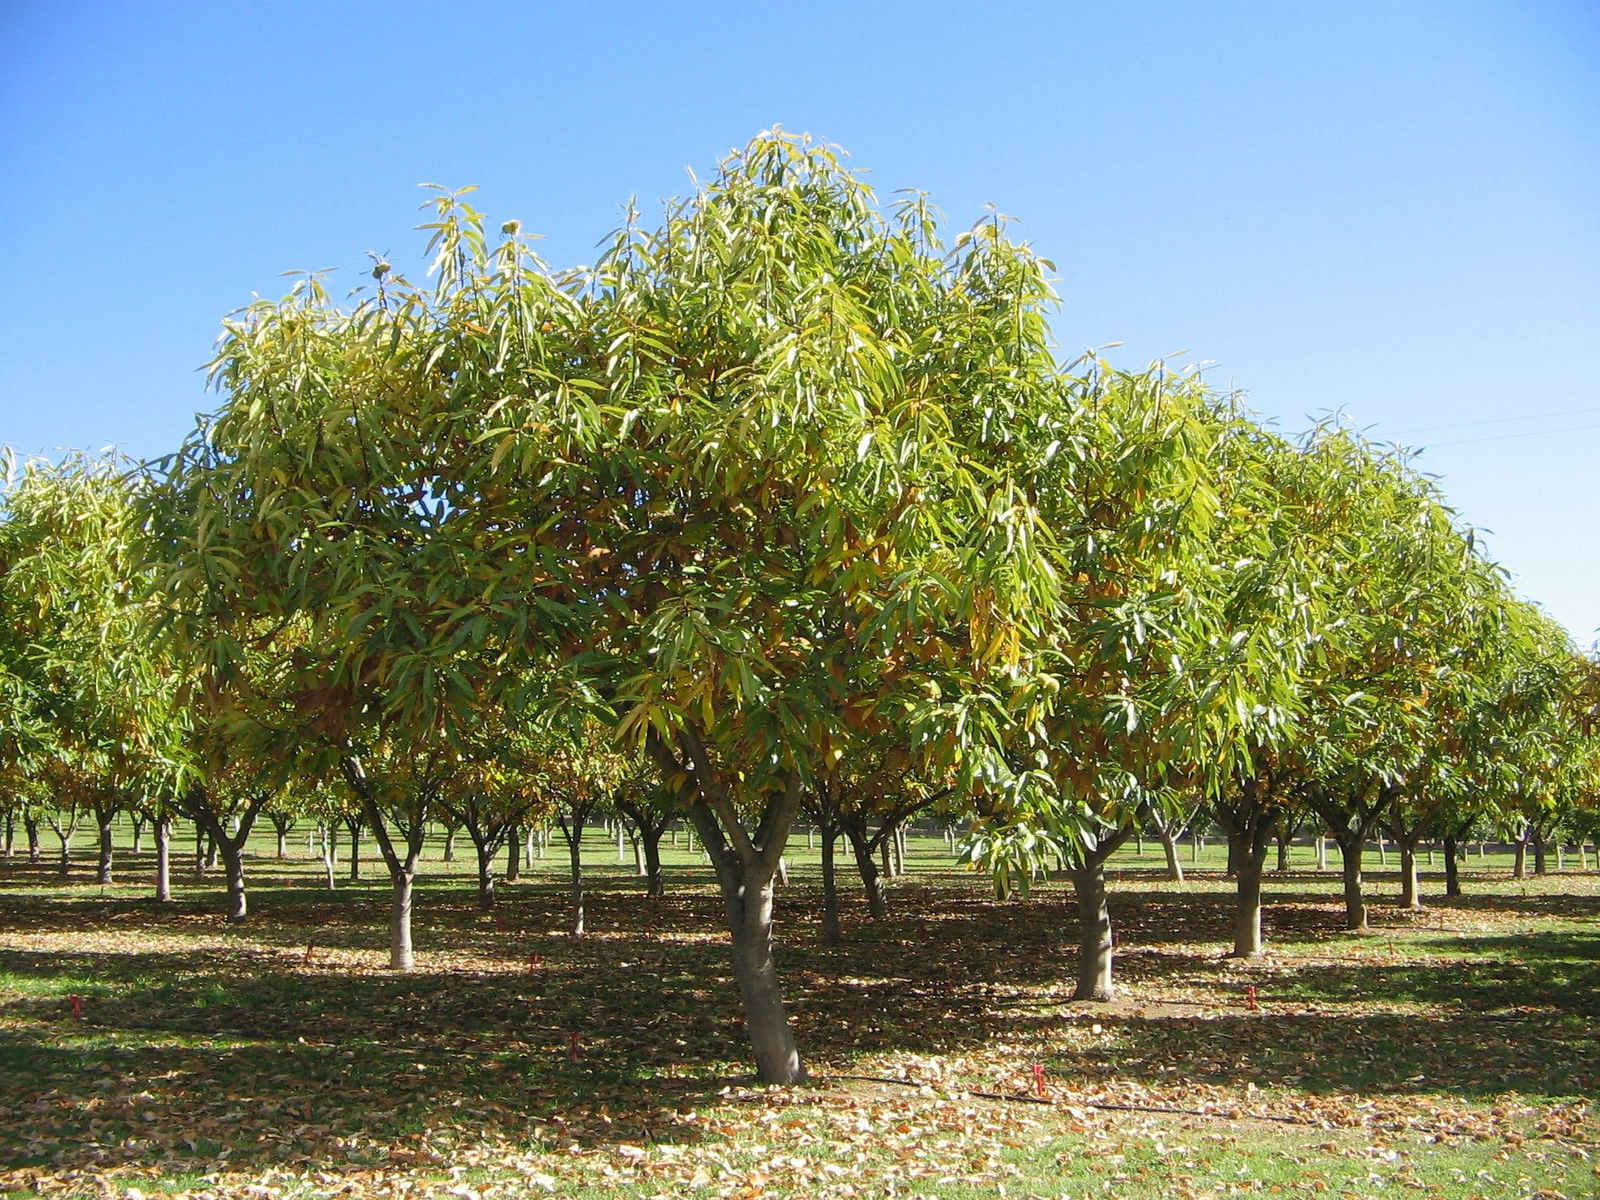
x,y
1451,1053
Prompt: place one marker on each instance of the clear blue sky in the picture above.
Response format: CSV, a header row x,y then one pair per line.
x,y
1390,208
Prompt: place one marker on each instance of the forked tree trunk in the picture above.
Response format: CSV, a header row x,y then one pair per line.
x,y
402,866
745,867
229,845
872,881
138,836
163,832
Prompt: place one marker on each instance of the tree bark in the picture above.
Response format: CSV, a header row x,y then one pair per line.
x,y
1410,892
1247,938
514,855
832,932
107,846
1536,840
572,822
30,825
229,845
1352,843
353,826
402,867
486,875
163,832
1452,869
872,880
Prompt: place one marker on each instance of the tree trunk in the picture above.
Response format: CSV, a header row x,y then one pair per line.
x,y
1282,837
1539,865
1322,853
831,930
138,836
1452,870
402,869
650,842
572,831
229,845
1410,893
330,853
401,956
163,831
103,868
30,825
1094,931
866,864
353,826
749,914
1351,847
283,841
1247,939
1519,865
450,832
486,853
1169,848
514,856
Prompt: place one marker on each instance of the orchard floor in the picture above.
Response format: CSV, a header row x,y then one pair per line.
x,y
1449,1053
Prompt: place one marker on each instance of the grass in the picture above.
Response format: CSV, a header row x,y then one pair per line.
x,y
1451,1053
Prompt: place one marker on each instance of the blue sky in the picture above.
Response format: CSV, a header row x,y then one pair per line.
x,y
1388,209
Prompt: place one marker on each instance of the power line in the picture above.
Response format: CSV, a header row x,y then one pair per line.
x,y
1569,412
1505,437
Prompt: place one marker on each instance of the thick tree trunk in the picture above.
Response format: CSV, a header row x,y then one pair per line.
x,y
283,842
1094,932
1452,869
163,832
1247,939
1540,866
30,825
1519,864
750,921
1351,847
450,832
107,848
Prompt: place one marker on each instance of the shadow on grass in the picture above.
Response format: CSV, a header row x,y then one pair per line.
x,y
243,1044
